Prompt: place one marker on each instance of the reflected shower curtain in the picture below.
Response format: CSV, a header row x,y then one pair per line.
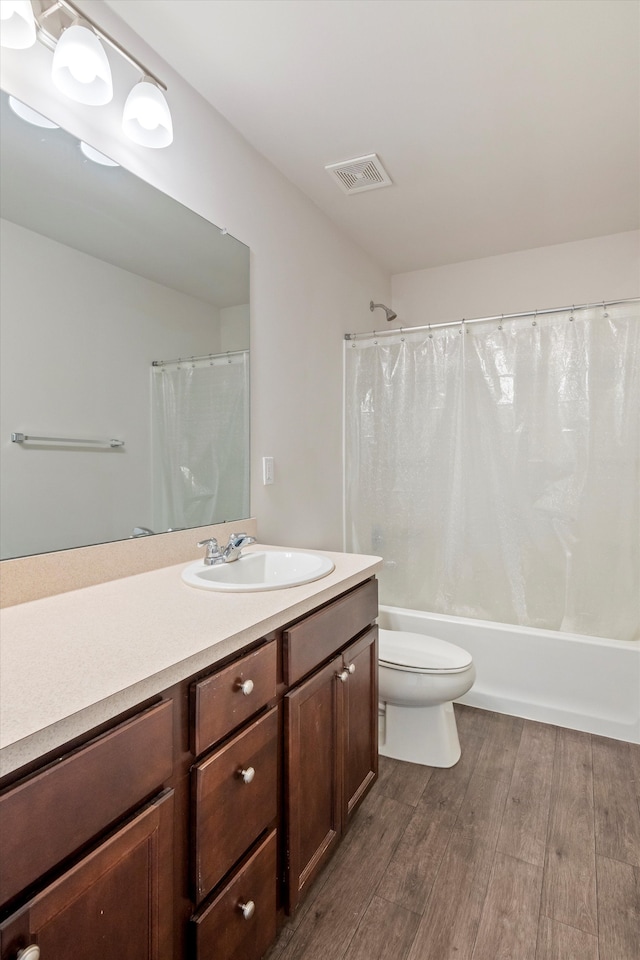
x,y
200,413
495,468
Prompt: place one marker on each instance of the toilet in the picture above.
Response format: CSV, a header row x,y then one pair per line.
x,y
419,678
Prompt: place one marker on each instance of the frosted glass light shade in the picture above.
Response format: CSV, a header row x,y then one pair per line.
x,y
80,66
146,118
17,24
92,154
31,115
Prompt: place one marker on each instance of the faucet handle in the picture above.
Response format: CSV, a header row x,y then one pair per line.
x,y
240,539
213,550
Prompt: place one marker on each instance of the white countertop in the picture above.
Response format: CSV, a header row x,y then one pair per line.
x,y
72,661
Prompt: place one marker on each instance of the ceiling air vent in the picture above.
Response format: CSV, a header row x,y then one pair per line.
x,y
363,173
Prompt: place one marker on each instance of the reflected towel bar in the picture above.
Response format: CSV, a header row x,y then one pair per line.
x,y
22,437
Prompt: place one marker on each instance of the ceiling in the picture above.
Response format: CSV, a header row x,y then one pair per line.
x,y
504,124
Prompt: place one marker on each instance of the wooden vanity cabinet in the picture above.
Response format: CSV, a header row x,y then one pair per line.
x,y
183,830
331,733
86,848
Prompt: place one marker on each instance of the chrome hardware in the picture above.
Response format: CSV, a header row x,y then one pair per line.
x,y
246,686
31,952
234,548
18,437
230,553
351,668
343,676
247,909
213,554
247,775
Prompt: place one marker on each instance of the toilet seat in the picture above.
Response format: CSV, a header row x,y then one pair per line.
x,y
417,653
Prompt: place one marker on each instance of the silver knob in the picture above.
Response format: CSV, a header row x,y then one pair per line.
x,y
351,668
247,775
246,686
343,676
29,953
247,909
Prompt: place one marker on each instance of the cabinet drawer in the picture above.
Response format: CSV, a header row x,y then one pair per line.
x,y
229,697
231,810
222,930
311,641
47,817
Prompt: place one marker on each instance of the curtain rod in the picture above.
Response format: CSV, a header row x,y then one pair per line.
x,y
207,356
502,316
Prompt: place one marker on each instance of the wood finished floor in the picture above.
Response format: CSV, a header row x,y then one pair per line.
x,y
527,849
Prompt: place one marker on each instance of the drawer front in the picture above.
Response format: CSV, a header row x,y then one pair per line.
x,y
223,929
47,817
317,637
229,697
231,810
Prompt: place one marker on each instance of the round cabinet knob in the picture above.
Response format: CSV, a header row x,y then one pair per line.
x,y
247,775
31,952
246,686
343,676
351,668
247,909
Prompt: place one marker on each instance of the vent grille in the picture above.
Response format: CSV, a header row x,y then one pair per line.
x,y
362,173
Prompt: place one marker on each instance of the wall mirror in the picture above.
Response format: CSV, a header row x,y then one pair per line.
x,y
102,275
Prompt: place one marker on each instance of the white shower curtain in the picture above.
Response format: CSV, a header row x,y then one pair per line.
x,y
200,413
495,468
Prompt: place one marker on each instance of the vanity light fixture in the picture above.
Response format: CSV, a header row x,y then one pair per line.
x,y
81,68
17,24
146,118
92,154
31,116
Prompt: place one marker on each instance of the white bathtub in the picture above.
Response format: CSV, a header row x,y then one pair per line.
x,y
583,683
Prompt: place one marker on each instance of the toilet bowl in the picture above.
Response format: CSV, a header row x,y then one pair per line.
x,y
419,678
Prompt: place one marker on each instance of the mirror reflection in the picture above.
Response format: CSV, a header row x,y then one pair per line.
x,y
106,284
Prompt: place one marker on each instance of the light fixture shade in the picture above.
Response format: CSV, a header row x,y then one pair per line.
x,y
17,24
146,118
30,115
92,154
80,66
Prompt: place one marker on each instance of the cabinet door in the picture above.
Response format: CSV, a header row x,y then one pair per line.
x,y
360,691
313,760
115,904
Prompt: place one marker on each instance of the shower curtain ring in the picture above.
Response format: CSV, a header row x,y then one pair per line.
x,y
501,322
534,322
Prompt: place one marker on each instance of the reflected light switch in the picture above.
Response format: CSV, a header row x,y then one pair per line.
x,y
267,470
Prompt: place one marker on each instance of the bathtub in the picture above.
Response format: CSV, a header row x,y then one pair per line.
x,y
584,683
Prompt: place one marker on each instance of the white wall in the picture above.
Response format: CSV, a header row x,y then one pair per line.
x,y
97,341
586,271
309,284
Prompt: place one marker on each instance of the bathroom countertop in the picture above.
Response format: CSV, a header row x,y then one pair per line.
x,y
72,661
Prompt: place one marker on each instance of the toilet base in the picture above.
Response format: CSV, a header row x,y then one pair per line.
x,y
426,735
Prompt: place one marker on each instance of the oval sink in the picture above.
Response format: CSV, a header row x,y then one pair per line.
x,y
259,570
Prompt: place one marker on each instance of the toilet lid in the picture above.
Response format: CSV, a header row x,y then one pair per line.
x,y
414,651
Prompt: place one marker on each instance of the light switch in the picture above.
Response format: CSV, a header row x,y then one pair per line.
x,y
267,470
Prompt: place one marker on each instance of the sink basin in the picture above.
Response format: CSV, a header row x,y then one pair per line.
x,y
259,570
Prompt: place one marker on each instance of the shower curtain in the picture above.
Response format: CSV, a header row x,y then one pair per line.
x,y
495,468
200,430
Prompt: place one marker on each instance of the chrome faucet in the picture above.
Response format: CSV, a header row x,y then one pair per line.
x,y
232,551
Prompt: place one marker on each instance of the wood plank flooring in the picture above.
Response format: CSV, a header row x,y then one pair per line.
x,y
527,849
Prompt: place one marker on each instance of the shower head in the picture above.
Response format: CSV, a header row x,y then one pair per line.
x,y
390,314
